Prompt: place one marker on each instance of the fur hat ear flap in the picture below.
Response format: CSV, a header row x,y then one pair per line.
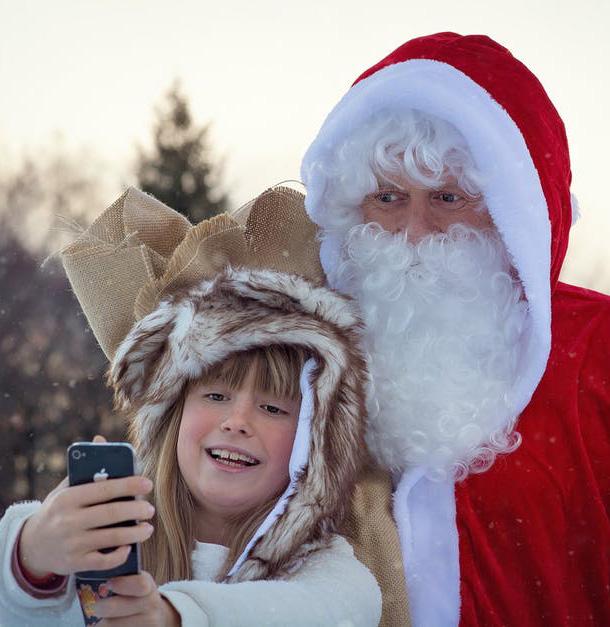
x,y
140,355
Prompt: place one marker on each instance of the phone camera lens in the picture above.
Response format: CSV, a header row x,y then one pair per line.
x,y
76,454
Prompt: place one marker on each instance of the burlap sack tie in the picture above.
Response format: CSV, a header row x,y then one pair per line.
x,y
138,249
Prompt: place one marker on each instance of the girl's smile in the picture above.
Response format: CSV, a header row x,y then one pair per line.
x,y
230,459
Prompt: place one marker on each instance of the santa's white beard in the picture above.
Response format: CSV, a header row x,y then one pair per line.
x,y
444,319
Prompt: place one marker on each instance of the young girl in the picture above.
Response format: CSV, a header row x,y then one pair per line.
x,y
245,389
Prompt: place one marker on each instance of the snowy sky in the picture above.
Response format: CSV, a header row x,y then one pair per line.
x,y
266,73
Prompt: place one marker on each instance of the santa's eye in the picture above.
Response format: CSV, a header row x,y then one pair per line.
x,y
448,200
387,196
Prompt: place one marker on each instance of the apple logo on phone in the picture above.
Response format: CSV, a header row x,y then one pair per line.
x,y
102,475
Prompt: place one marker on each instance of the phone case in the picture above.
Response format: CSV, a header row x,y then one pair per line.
x,y
87,462
89,591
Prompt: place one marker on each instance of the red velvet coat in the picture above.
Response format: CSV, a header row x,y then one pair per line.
x,y
534,530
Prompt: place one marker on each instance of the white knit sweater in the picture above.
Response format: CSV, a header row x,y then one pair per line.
x,y
331,588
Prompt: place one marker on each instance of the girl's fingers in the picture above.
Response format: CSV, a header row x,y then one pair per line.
x,y
119,606
117,536
133,585
99,438
95,560
103,491
111,513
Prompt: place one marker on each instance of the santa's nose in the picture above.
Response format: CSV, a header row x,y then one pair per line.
x,y
417,219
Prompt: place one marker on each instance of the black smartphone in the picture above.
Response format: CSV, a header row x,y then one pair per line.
x,y
90,462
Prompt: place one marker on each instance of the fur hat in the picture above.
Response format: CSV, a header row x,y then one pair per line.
x,y
203,308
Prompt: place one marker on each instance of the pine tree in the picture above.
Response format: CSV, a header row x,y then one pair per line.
x,y
179,170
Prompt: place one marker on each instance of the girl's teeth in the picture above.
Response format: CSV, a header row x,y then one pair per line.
x,y
229,463
232,458
223,455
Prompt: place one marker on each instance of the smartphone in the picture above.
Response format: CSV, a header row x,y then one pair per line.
x,y
91,462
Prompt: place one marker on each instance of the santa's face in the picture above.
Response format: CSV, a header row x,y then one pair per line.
x,y
444,318
401,205
443,307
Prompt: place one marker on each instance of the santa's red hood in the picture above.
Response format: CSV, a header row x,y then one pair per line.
x,y
518,143
520,93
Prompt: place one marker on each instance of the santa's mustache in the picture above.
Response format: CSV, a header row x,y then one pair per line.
x,y
444,318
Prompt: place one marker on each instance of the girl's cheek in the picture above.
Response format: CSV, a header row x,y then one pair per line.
x,y
284,446
189,425
187,438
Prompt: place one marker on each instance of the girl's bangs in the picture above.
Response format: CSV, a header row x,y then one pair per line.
x,y
277,370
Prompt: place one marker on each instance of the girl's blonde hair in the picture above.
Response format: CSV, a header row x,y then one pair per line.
x,y
167,554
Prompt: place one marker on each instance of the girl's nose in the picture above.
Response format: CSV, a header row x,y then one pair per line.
x,y
237,420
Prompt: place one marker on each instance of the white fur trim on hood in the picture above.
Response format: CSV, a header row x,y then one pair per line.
x,y
500,155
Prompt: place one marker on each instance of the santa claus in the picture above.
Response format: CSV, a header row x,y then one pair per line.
x,y
441,184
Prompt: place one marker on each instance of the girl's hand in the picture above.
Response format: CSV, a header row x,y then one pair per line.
x,y
62,536
136,602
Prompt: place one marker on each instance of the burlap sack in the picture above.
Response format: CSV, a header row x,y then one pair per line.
x,y
138,249
124,263
372,532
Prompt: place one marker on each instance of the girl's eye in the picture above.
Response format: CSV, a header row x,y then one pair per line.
x,y
272,409
215,396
